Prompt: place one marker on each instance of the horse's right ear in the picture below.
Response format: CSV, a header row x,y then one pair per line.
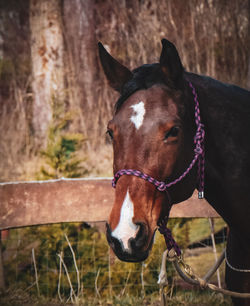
x,y
170,63
116,73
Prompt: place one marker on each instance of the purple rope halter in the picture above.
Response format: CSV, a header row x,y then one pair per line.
x,y
199,156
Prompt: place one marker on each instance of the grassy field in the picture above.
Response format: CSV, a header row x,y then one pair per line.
x,y
179,297
118,283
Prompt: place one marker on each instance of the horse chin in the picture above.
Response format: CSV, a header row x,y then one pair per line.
x,y
132,257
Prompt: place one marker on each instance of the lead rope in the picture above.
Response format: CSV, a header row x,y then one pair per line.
x,y
169,240
173,254
188,275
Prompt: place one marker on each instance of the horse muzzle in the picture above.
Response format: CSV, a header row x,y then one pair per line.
x,y
136,249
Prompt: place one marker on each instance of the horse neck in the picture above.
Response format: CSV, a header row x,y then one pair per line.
x,y
225,112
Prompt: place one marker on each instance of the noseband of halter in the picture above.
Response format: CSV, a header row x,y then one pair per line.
x,y
199,157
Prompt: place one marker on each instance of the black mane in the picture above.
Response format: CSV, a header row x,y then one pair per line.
x,y
148,75
144,77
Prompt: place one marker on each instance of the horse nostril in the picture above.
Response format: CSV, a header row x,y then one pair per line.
x,y
141,238
142,228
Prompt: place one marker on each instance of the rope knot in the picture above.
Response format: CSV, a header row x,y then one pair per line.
x,y
198,150
162,186
200,133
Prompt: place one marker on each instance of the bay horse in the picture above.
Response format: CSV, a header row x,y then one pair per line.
x,y
161,111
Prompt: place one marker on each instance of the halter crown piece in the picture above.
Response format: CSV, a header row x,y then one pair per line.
x,y
199,157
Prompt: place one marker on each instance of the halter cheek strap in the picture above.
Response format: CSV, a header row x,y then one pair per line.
x,y
199,157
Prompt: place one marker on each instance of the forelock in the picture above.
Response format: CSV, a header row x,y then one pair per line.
x,y
144,77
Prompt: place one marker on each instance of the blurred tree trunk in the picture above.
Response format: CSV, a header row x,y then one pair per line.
x,y
47,62
81,44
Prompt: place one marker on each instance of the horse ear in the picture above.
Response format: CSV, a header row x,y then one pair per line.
x,y
116,73
170,63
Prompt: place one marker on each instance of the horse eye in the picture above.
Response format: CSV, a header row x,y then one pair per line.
x,y
110,133
173,132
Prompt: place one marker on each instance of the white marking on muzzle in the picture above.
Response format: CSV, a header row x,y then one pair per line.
x,y
138,117
126,229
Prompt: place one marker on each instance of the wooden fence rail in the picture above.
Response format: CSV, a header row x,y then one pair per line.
x,y
72,200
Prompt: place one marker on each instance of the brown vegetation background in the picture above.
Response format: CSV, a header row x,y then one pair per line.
x,y
48,58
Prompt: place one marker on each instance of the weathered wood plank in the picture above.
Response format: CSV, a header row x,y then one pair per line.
x,y
89,200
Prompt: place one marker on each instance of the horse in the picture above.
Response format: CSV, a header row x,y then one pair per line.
x,y
175,131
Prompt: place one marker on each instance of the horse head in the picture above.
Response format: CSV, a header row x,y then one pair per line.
x,y
152,131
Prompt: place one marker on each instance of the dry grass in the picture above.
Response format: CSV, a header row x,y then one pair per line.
x,y
182,297
98,163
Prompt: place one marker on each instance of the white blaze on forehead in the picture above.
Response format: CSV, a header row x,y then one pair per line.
x,y
126,229
138,116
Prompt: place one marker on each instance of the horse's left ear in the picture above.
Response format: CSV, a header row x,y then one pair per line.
x,y
170,63
116,73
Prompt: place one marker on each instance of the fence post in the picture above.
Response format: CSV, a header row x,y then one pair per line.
x,y
211,222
